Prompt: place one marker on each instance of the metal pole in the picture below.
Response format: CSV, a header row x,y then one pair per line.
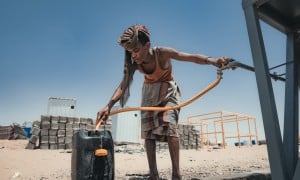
x,y
291,122
266,95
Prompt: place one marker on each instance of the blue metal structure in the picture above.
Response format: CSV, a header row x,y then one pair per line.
x,y
283,15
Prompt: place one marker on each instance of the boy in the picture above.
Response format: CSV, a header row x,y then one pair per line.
x,y
159,89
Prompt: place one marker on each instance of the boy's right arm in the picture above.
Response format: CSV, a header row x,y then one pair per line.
x,y
104,112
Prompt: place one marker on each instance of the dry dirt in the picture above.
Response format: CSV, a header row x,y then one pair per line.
x,y
16,162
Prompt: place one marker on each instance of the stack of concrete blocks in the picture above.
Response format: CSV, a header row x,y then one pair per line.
x,y
6,132
57,131
33,142
189,137
161,146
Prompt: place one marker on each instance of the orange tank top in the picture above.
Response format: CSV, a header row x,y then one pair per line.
x,y
160,74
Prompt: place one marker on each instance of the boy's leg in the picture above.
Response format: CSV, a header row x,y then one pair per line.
x,y
173,143
151,156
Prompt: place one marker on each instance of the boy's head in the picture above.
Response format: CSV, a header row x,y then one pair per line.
x,y
134,34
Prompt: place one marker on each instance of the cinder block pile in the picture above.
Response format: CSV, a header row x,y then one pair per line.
x,y
189,137
14,131
6,132
161,146
35,136
56,132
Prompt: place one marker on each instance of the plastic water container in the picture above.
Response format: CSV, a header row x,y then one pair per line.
x,y
28,131
84,163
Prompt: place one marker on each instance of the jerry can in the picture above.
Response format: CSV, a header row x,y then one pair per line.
x,y
92,155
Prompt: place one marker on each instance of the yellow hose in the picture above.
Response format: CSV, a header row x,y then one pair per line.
x,y
167,108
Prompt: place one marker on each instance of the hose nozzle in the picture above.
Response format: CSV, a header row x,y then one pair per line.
x,y
232,64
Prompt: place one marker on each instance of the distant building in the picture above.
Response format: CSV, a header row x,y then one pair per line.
x,y
61,107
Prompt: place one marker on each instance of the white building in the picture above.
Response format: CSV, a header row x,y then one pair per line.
x,y
126,127
61,107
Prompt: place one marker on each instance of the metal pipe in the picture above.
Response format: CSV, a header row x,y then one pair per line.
x,y
233,64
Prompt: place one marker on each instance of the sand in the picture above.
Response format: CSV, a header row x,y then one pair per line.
x,y
16,162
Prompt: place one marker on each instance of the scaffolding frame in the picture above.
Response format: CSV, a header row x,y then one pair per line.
x,y
215,125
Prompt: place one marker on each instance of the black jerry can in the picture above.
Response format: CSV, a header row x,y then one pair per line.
x,y
86,164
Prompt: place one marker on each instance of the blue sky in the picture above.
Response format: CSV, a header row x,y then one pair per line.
x,y
68,48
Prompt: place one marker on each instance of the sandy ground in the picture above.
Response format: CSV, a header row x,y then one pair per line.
x,y
18,163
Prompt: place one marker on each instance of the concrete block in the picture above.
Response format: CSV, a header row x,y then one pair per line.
x,y
44,132
69,132
61,146
30,145
62,119
76,126
61,140
33,139
90,127
68,145
45,125
83,120
52,139
36,124
61,125
76,120
35,131
44,139
69,126
82,126
61,133
68,140
53,146
90,121
54,119
70,120
54,125
45,119
53,132
44,146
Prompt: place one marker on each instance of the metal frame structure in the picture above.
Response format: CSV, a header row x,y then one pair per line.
x,y
283,15
224,125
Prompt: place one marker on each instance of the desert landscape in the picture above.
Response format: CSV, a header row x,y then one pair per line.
x,y
131,163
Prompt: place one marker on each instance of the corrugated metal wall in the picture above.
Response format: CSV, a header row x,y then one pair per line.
x,y
61,107
126,127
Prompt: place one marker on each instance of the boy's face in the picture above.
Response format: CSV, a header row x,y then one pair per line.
x,y
140,52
